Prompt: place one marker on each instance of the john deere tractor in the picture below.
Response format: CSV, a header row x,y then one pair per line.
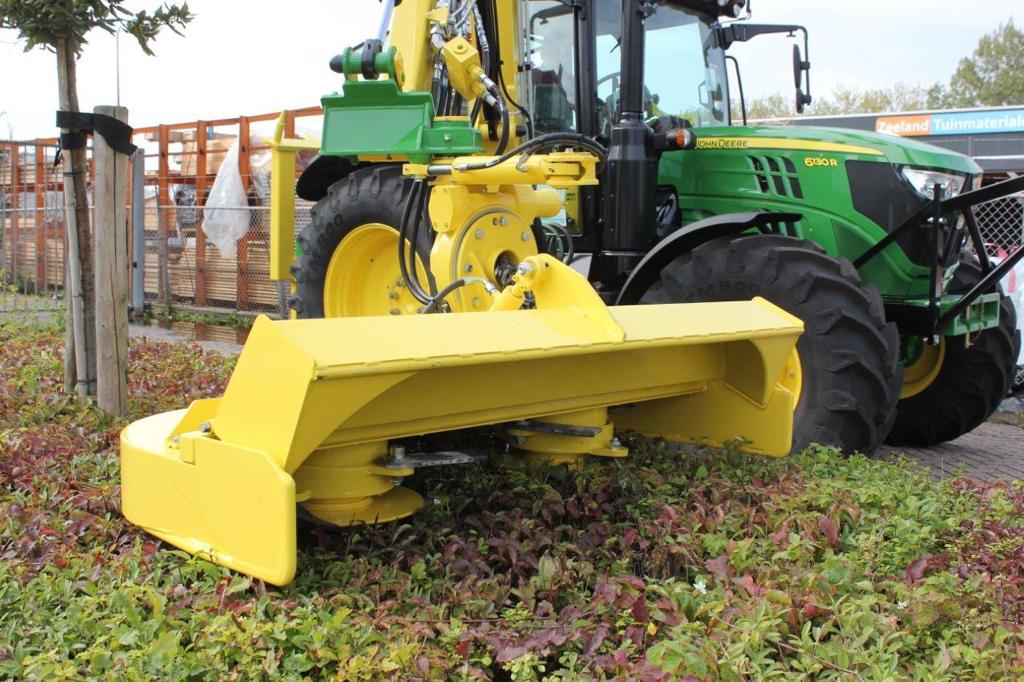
x,y
534,217
862,236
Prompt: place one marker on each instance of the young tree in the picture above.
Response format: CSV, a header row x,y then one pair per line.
x,y
994,74
62,27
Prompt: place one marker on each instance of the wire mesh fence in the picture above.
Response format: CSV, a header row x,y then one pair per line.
x,y
182,267
31,229
1002,223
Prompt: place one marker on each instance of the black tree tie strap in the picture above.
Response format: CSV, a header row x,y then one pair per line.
x,y
80,125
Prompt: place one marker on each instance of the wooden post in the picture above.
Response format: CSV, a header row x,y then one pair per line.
x,y
111,251
242,257
200,201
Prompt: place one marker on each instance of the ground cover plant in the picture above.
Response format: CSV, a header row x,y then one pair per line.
x,y
664,566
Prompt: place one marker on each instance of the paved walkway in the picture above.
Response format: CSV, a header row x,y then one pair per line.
x,y
221,339
992,452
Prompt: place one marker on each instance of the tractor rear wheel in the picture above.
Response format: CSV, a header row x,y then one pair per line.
x,y
848,370
349,261
958,384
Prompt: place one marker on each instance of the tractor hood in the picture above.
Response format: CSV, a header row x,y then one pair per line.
x,y
897,150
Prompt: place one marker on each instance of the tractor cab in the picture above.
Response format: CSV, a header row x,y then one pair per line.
x,y
684,62
575,85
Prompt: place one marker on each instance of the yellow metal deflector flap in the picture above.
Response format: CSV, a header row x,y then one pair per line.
x,y
228,504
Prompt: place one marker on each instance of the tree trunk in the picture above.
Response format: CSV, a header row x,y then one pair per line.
x,y
81,284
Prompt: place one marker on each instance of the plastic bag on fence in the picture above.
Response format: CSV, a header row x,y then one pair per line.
x,y
226,218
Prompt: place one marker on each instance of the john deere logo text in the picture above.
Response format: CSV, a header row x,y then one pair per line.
x,y
721,143
816,161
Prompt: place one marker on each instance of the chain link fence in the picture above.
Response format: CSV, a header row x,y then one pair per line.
x,y
31,229
182,268
1002,223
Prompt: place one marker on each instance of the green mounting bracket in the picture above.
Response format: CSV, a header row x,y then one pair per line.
x,y
375,118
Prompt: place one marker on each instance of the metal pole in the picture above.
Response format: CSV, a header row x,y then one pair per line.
x,y
138,232
385,20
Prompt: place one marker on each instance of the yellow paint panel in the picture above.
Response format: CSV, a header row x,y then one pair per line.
x,y
231,505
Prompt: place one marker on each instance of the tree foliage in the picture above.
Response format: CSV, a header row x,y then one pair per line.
x,y
899,97
47,22
994,74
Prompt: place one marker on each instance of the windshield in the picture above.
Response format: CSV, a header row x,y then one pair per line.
x,y
684,69
684,66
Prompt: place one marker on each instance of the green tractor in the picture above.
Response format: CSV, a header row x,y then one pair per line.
x,y
863,236
869,239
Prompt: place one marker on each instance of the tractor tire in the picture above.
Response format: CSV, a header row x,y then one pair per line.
x,y
849,355
972,381
372,195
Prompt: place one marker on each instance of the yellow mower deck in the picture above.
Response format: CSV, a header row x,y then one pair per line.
x,y
312,404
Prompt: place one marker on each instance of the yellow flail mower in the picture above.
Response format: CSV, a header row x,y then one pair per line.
x,y
388,341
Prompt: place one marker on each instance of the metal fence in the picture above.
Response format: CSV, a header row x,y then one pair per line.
x,y
31,228
1002,222
184,268
180,163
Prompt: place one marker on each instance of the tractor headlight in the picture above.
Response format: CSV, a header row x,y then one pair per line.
x,y
923,181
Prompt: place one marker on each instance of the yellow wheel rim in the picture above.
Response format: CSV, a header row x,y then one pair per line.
x,y
363,277
792,377
920,374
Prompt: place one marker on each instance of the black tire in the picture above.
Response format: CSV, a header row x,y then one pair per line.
x,y
849,355
376,194
972,382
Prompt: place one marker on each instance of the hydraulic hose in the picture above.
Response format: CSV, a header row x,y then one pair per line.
x,y
522,111
437,300
537,143
403,231
417,222
505,123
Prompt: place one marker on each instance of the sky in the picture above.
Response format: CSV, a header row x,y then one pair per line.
x,y
258,56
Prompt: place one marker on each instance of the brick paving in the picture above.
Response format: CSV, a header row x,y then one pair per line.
x,y
992,452
225,341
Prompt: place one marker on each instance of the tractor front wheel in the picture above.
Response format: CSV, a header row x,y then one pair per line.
x,y
956,385
349,261
847,375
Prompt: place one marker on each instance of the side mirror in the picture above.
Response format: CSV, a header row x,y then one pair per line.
x,y
801,67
